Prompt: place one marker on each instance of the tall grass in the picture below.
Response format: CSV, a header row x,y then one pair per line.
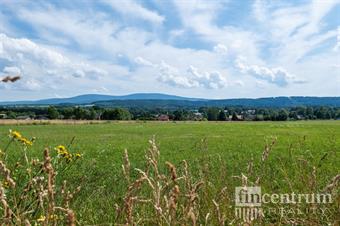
x,y
28,191
159,192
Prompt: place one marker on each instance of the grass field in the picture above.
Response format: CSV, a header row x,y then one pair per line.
x,y
217,153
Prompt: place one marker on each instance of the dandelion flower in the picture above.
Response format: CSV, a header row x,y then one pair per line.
x,y
15,134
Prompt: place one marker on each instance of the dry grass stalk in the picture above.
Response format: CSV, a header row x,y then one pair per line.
x,y
334,182
48,168
71,219
7,174
218,213
164,193
172,169
8,213
126,166
267,149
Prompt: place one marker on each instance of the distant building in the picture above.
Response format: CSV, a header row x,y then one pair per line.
x,y
23,117
300,117
198,116
251,112
42,117
239,117
163,118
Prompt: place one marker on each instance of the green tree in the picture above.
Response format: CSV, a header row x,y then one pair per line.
x,y
91,114
79,113
234,117
282,115
222,116
67,113
213,114
293,115
116,114
52,112
180,115
259,117
11,115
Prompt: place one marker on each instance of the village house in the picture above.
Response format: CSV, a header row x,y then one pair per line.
x,y
163,117
23,117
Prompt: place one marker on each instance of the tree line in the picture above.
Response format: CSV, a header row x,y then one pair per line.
x,y
203,113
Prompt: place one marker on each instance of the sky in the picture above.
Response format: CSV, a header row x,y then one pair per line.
x,y
194,48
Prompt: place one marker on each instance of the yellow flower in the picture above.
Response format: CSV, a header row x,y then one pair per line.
x,y
42,218
63,152
61,149
68,157
78,155
53,217
15,134
26,142
5,184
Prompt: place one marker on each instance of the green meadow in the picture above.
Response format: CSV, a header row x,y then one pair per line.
x,y
217,153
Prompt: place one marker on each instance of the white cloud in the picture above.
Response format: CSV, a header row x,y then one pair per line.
x,y
221,49
190,78
92,32
37,63
15,49
295,30
200,16
143,62
134,9
78,47
276,75
12,70
210,80
24,84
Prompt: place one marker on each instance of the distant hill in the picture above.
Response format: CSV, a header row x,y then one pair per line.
x,y
272,102
158,100
91,98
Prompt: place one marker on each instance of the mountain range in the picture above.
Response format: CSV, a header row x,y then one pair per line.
x,y
171,101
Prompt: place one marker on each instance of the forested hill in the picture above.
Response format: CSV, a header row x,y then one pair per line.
x,y
157,100
275,102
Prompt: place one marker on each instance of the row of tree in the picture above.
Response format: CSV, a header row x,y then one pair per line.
x,y
203,113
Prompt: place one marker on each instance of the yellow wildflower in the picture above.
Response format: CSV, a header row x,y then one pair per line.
x,y
78,155
53,217
15,134
68,157
61,150
26,142
42,218
5,184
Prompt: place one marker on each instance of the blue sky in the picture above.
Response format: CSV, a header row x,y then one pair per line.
x,y
196,48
